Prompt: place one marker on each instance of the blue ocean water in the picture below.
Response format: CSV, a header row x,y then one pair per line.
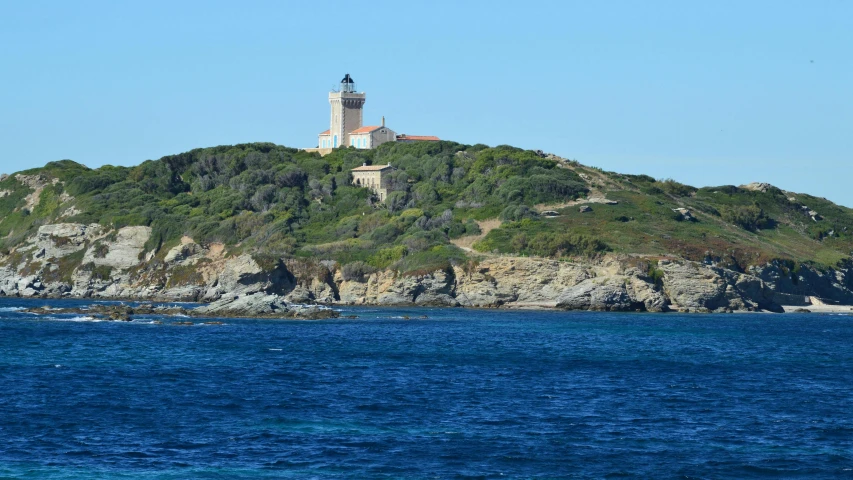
x,y
460,394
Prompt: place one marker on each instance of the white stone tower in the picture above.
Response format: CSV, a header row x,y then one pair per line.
x,y
347,107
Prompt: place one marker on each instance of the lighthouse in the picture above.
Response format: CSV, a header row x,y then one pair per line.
x,y
347,113
346,127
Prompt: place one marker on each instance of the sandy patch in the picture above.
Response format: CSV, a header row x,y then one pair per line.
x,y
486,226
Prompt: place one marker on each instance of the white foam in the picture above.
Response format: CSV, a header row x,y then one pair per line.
x,y
305,305
11,309
274,349
77,319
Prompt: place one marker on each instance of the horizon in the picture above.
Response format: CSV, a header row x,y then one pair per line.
x,y
727,94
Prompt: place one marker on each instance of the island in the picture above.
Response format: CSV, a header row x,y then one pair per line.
x,y
251,229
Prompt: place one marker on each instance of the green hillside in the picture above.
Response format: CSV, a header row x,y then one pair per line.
x,y
280,202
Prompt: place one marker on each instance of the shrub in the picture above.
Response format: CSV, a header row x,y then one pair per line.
x,y
748,217
672,187
396,201
563,244
101,250
655,274
459,229
385,257
514,213
356,271
441,257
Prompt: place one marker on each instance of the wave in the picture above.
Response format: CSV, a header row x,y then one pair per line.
x,y
76,319
11,309
307,305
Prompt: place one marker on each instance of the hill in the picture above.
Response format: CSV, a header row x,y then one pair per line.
x,y
451,206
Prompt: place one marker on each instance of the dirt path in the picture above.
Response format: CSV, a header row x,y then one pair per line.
x,y
486,226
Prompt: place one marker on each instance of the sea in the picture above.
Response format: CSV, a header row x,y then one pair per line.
x,y
423,393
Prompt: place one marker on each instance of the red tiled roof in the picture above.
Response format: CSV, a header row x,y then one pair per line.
x,y
326,132
428,138
365,129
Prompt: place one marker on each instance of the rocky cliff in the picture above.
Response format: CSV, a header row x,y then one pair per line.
x,y
76,260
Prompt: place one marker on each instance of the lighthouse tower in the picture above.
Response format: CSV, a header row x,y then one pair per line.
x,y
347,105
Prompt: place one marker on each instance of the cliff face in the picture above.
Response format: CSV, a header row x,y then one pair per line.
x,y
91,261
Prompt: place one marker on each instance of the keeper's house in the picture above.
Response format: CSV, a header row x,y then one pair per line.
x,y
374,177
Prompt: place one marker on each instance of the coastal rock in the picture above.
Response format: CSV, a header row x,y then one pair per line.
x,y
352,292
244,275
835,285
115,265
121,252
183,252
692,286
607,294
436,289
314,290
63,239
388,288
250,305
522,282
300,294
262,305
641,291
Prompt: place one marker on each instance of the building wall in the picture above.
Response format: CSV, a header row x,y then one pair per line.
x,y
346,116
324,141
377,181
378,137
372,139
360,140
322,151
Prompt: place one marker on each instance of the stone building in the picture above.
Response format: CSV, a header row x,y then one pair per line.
x,y
346,127
374,177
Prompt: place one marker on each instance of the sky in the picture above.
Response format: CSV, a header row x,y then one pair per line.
x,y
706,93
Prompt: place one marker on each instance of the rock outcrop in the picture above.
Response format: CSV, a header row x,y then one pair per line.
x,y
692,286
261,305
835,285
62,239
121,252
92,261
758,187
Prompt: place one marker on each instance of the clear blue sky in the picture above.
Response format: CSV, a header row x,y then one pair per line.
x,y
707,93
